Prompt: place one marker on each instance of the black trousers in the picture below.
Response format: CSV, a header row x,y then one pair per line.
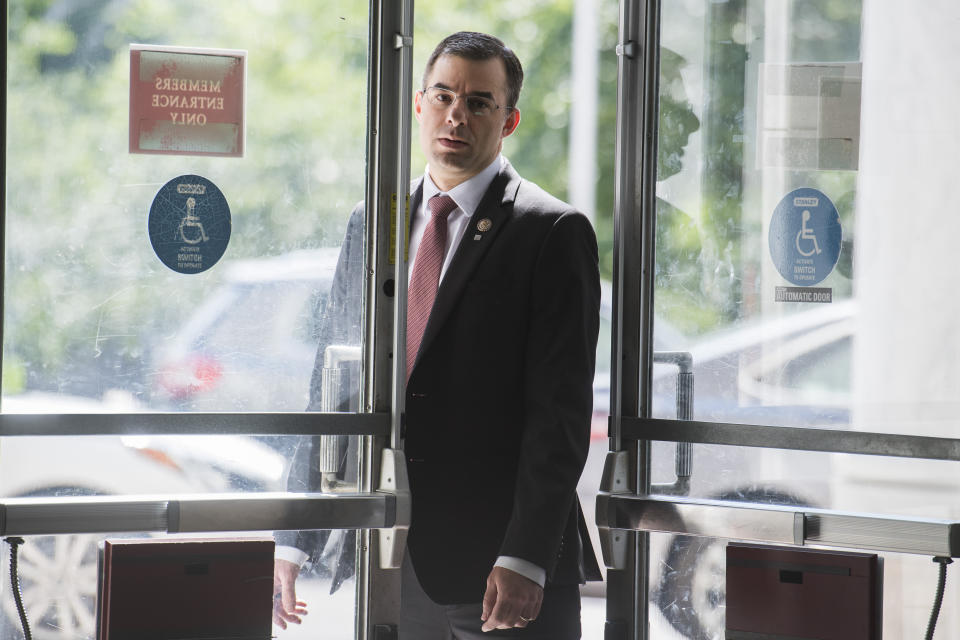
x,y
423,619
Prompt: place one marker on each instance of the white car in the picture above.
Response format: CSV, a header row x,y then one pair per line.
x,y
791,371
270,306
58,574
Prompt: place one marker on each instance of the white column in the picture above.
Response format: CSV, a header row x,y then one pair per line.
x,y
906,357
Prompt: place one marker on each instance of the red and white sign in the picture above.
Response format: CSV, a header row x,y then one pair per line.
x,y
187,101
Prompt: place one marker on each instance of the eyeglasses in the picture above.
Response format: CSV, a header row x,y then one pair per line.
x,y
440,98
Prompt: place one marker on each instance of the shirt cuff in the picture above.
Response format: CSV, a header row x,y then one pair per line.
x,y
524,567
290,554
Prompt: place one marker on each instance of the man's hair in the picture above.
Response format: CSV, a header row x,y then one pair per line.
x,y
480,46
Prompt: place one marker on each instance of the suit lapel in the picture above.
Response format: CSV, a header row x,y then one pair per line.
x,y
496,206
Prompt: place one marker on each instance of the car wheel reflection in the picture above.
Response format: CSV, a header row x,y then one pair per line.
x,y
58,581
691,591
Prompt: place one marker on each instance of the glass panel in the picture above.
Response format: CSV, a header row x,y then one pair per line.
x,y
761,111
793,138
91,312
94,320
758,101
778,223
767,114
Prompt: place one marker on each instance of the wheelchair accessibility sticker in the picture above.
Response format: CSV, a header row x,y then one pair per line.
x,y
805,236
189,224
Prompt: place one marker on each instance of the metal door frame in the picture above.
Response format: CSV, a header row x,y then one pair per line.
x,y
631,359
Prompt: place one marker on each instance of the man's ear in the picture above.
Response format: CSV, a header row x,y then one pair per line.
x,y
416,104
511,123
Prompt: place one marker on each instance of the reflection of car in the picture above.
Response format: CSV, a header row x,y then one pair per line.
x,y
790,371
127,464
666,337
251,346
58,573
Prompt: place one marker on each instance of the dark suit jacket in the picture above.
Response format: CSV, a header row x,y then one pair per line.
x,y
498,404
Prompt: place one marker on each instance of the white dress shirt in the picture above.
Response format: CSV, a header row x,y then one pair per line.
x,y
467,195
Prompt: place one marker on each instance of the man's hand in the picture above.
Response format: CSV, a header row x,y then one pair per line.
x,y
511,600
286,607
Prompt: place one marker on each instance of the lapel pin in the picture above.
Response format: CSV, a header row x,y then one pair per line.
x,y
484,225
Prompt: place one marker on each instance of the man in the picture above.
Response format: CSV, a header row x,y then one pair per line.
x,y
500,360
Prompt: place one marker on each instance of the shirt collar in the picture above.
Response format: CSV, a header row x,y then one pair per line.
x,y
469,193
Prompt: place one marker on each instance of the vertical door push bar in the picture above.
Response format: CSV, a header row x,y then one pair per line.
x,y
617,472
340,363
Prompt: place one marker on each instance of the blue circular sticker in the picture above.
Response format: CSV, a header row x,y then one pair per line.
x,y
805,236
189,224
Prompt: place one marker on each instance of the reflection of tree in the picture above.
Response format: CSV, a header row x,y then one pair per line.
x,y
85,297
678,274
678,278
725,59
677,120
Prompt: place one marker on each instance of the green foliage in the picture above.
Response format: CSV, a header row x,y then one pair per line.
x,y
725,63
14,375
86,299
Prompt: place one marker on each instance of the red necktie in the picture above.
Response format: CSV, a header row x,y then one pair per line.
x,y
426,274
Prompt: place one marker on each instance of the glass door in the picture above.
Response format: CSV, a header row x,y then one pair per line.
x,y
793,218
179,182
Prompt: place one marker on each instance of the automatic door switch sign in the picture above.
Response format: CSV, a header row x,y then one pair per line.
x,y
805,237
189,224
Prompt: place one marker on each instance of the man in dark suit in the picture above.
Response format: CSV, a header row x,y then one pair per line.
x,y
500,361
